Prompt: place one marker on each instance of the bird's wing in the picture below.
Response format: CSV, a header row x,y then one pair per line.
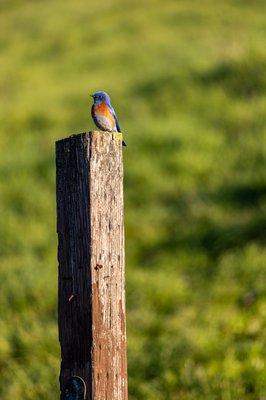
x,y
116,120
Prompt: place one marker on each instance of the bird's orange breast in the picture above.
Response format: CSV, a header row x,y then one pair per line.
x,y
103,109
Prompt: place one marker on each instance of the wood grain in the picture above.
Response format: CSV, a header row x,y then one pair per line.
x,y
91,308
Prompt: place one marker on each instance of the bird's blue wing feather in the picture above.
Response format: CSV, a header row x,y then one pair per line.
x,y
117,124
116,120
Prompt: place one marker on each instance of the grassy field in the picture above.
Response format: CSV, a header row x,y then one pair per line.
x,y
188,81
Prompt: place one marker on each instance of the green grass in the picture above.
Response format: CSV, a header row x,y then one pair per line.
x,y
188,81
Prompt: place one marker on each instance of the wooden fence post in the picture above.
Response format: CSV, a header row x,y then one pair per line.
x,y
91,307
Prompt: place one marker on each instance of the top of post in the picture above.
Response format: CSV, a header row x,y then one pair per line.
x,y
97,135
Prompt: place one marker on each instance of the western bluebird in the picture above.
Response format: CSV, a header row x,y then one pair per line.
x,y
103,113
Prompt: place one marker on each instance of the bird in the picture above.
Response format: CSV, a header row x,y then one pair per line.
x,y
103,114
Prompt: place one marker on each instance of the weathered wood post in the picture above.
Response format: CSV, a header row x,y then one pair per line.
x,y
90,226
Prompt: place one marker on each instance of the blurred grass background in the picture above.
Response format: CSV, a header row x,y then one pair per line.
x,y
188,81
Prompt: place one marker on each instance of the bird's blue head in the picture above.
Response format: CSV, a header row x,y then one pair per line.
x,y
101,97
